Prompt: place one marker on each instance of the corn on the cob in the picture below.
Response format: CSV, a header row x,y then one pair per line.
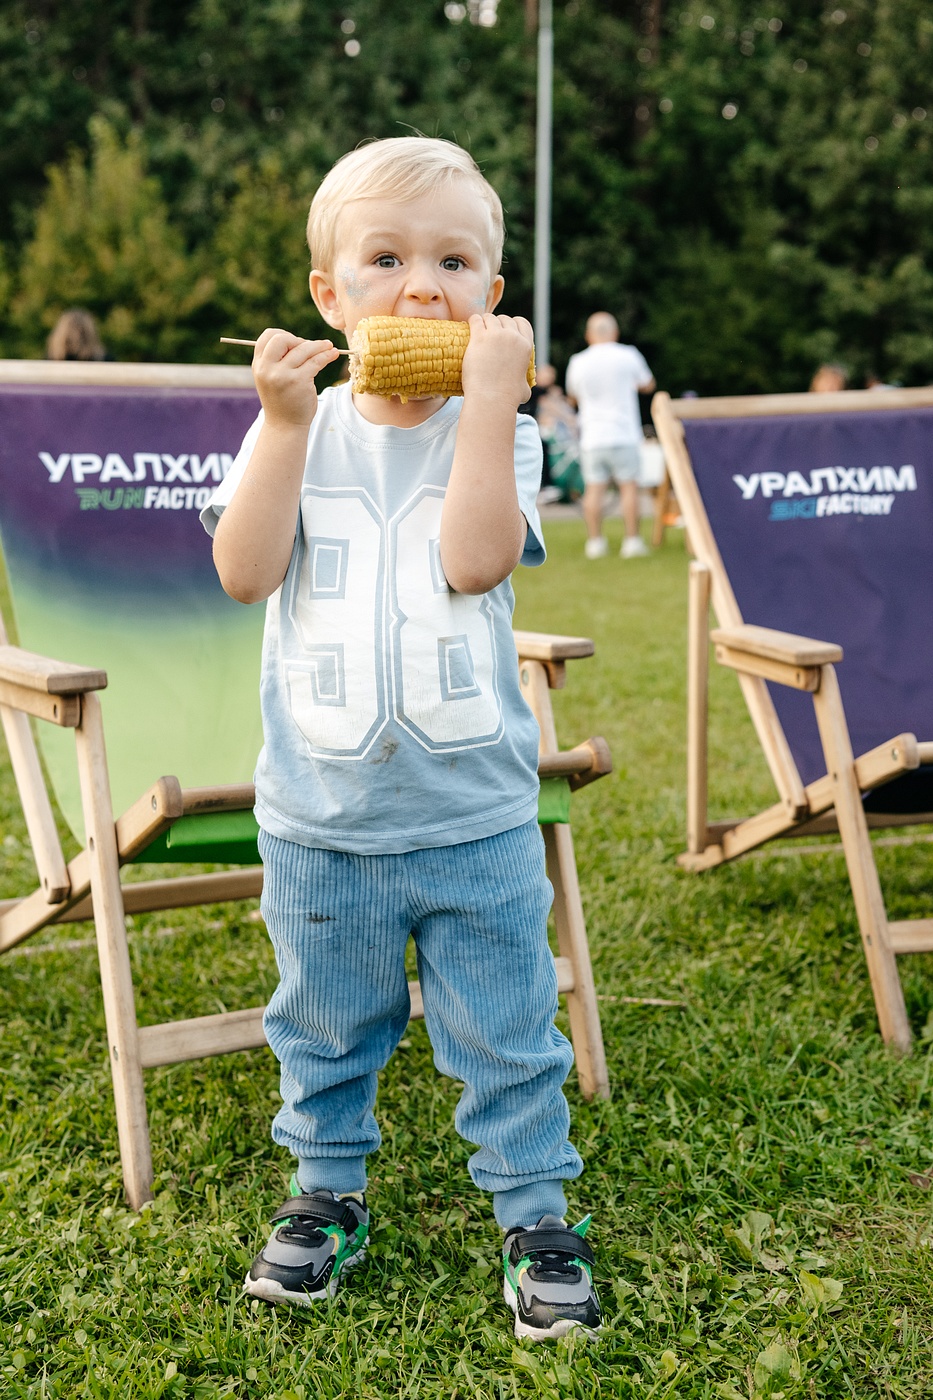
x,y
411,356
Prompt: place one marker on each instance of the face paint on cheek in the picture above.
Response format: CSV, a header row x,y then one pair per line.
x,y
356,288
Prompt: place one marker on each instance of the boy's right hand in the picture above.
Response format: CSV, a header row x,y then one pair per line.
x,y
285,367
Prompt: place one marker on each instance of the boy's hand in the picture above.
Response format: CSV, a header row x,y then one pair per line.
x,y
496,359
285,367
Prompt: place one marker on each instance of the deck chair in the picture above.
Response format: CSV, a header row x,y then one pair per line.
x,y
103,469
811,520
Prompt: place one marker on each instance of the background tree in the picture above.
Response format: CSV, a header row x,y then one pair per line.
x,y
749,191
103,241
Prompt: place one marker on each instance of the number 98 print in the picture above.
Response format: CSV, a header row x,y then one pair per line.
x,y
380,636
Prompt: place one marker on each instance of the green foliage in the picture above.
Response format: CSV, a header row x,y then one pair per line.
x,y
103,241
803,214
259,257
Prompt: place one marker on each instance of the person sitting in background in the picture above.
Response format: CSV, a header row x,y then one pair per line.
x,y
829,379
874,381
548,493
560,436
75,337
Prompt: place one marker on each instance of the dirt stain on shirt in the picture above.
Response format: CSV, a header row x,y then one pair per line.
x,y
387,751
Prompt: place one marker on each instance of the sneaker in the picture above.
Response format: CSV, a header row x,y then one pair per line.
x,y
315,1238
633,547
596,549
549,1280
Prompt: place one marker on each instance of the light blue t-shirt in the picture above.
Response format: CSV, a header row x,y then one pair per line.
x,y
392,713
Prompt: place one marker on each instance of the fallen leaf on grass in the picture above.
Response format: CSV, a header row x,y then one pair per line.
x,y
668,1364
747,1241
922,1182
819,1293
776,1363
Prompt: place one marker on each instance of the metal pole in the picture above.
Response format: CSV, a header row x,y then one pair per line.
x,y
542,294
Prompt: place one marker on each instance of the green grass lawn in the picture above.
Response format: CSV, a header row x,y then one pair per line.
x,y
760,1180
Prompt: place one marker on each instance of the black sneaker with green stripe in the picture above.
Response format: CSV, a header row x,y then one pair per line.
x,y
315,1239
549,1279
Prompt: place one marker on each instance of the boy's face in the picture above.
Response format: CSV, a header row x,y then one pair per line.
x,y
421,257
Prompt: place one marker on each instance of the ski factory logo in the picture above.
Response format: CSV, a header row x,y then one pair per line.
x,y
149,481
828,491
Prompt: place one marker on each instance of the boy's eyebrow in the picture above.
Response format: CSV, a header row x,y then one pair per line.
x,y
448,237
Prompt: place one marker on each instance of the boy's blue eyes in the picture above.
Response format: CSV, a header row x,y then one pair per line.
x,y
389,260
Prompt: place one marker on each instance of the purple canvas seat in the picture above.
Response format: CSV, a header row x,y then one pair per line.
x,y
825,527
811,517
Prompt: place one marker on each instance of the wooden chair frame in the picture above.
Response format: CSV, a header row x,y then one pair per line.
x,y
758,654
37,688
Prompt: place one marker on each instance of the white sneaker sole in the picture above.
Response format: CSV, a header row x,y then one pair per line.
x,y
560,1328
271,1291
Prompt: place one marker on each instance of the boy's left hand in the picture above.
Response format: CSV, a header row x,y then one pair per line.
x,y
496,360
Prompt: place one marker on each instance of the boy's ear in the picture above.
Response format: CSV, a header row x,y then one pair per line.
x,y
325,299
494,295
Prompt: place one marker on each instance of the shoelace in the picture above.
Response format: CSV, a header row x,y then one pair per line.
x,y
302,1231
552,1268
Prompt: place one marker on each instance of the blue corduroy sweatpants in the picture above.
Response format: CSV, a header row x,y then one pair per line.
x,y
339,924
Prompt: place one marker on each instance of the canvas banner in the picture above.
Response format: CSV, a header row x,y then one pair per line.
x,y
825,525
109,566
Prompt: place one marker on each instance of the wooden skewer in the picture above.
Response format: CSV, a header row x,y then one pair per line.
x,y
232,340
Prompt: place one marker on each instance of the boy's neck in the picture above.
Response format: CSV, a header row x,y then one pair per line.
x,y
393,413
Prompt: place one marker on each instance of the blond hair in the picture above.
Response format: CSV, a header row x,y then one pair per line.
x,y
74,337
398,168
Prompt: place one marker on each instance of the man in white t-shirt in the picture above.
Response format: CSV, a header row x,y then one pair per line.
x,y
605,380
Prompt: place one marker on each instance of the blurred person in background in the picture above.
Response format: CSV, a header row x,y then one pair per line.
x,y
829,379
560,436
874,381
75,337
548,493
604,382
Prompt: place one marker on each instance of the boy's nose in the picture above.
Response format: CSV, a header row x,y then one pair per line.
x,y
422,286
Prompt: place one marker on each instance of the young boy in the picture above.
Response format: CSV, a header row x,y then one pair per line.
x,y
397,791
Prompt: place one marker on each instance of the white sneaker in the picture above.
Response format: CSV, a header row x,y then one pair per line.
x,y
633,547
596,549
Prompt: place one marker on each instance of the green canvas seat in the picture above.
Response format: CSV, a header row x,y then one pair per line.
x,y
231,837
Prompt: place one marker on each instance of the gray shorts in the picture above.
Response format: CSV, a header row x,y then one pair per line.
x,y
602,464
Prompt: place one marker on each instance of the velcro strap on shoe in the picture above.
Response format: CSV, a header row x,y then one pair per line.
x,y
551,1242
316,1209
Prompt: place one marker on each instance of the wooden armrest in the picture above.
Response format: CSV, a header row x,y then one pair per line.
x,y
149,817
40,673
581,765
769,645
600,766
546,646
230,797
